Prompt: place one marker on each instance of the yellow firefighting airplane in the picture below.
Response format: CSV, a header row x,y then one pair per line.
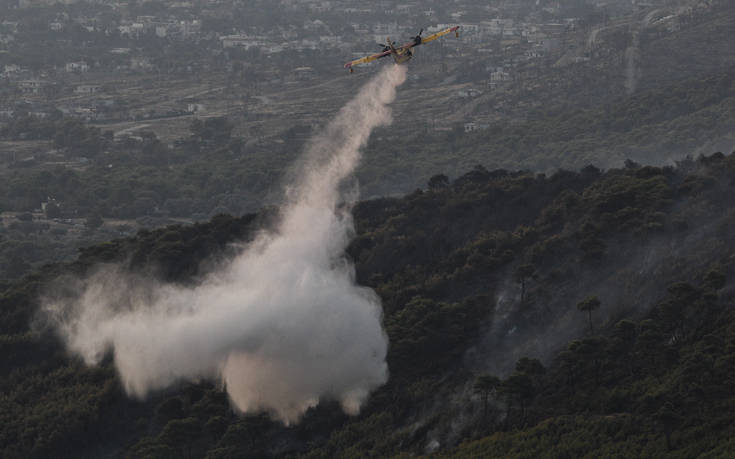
x,y
402,53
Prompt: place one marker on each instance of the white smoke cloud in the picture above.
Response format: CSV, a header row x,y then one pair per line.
x,y
632,58
283,324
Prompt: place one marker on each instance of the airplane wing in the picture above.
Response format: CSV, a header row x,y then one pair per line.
x,y
366,59
431,37
434,36
411,44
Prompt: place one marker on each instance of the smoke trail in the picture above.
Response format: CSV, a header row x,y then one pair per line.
x,y
632,58
283,325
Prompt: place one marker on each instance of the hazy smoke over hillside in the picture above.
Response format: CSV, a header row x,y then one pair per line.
x,y
283,324
632,59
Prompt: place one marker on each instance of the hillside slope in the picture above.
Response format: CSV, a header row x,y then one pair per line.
x,y
475,274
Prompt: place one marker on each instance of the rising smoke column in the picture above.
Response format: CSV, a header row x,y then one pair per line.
x,y
632,59
283,324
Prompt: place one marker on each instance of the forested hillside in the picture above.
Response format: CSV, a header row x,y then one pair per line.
x,y
654,127
592,312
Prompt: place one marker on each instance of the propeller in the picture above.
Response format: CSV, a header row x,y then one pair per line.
x,y
417,38
383,47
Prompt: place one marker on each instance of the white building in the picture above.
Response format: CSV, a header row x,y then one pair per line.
x,y
499,76
469,92
78,67
31,86
472,126
87,89
241,41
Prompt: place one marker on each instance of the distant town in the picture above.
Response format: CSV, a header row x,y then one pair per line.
x,y
175,111
78,59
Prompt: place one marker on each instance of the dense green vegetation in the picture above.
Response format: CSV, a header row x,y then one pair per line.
x,y
194,178
490,354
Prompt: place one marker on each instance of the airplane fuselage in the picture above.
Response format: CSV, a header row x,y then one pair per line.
x,y
400,55
402,58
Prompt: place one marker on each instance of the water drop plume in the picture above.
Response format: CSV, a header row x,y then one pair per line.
x,y
283,325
